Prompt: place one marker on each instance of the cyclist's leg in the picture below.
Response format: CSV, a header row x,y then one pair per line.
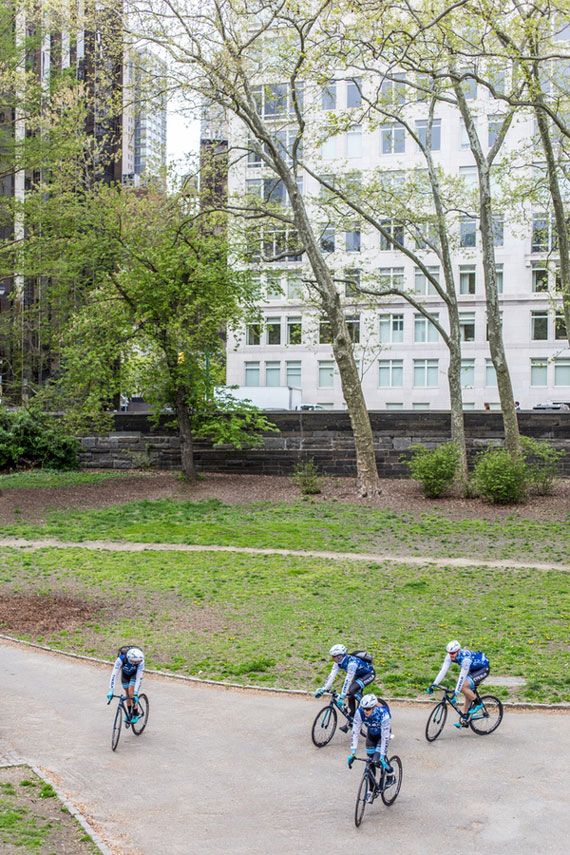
x,y
353,690
468,693
477,678
129,688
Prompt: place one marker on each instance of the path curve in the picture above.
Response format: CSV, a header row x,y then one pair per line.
x,y
235,772
130,546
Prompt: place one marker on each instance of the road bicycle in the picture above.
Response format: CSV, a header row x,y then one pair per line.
x,y
141,709
324,725
483,722
387,787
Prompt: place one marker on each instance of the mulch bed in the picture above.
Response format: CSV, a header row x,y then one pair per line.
x,y
397,494
42,614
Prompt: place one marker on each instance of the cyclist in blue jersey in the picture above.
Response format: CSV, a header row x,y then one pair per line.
x,y
376,718
474,667
359,673
130,662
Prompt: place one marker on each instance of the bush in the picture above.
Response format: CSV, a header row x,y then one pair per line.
x,y
500,478
32,438
434,468
541,464
306,477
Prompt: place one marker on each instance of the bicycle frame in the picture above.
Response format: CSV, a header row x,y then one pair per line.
x,y
447,699
380,785
333,703
122,704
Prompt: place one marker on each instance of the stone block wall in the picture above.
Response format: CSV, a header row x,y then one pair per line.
x,y
325,437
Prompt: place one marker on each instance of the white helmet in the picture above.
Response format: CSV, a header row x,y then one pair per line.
x,y
368,702
453,646
337,650
135,655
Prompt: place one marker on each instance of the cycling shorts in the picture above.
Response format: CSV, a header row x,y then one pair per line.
x,y
127,682
476,677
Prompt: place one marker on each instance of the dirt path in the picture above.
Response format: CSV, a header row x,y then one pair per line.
x,y
124,546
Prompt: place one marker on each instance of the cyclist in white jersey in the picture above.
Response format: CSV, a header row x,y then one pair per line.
x,y
474,667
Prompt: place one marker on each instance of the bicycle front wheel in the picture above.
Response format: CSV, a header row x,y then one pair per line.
x,y
391,790
142,709
489,718
117,724
362,798
436,721
324,726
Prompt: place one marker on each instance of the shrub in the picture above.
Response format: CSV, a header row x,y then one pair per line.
x,y
541,461
500,478
32,438
434,468
306,477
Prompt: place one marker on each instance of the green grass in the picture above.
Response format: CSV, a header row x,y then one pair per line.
x,y
32,478
310,525
271,619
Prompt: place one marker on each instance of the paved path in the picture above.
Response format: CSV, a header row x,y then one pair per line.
x,y
226,771
129,546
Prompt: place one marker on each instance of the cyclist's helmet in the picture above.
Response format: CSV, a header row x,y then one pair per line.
x,y
337,650
135,656
368,701
453,646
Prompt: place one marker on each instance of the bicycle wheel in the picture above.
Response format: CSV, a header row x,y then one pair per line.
x,y
324,726
436,721
117,724
143,711
362,798
489,718
390,792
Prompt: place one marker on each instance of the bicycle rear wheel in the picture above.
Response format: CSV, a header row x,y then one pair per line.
x,y
117,724
489,718
390,793
436,721
142,708
324,726
362,798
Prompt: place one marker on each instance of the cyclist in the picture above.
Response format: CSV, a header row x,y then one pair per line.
x,y
359,673
474,669
130,662
376,718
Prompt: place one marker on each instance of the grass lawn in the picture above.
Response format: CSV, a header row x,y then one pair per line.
x,y
271,619
310,525
32,478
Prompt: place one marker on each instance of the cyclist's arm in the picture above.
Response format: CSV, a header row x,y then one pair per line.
x,y
444,669
116,668
331,677
465,666
356,725
138,678
386,725
350,674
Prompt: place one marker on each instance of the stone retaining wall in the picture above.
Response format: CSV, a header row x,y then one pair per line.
x,y
325,437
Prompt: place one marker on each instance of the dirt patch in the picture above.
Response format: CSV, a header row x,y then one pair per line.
x,y
40,614
34,505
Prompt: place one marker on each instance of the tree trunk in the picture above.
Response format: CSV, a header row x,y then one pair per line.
x,y
456,397
186,440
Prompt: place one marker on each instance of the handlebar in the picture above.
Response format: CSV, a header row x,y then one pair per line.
x,y
443,689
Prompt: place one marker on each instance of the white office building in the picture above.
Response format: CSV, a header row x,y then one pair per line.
x,y
403,359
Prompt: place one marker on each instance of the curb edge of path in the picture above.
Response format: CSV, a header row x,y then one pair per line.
x,y
69,806
515,705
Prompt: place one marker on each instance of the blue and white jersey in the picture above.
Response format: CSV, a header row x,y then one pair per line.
x,y
378,723
467,660
354,667
128,671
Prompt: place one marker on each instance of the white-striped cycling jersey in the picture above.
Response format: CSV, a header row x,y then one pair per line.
x,y
354,667
378,723
467,660
128,670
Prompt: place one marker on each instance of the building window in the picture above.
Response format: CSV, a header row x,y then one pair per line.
x,y
562,372
467,326
351,282
391,330
424,330
539,325
253,187
494,125
422,285
253,153
538,372
395,89
393,138
426,372
468,405
353,325
499,278
352,240
394,237
280,242
490,373
294,333
467,281
252,373
468,232
326,374
273,330
328,239
391,277
253,334
467,373
463,136
560,333
354,141
468,84
498,231
422,130
274,291
325,332
427,236
273,191
469,175
328,95
272,373
294,286
390,373
420,406
275,99
392,405
353,92
539,279
543,234
293,370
